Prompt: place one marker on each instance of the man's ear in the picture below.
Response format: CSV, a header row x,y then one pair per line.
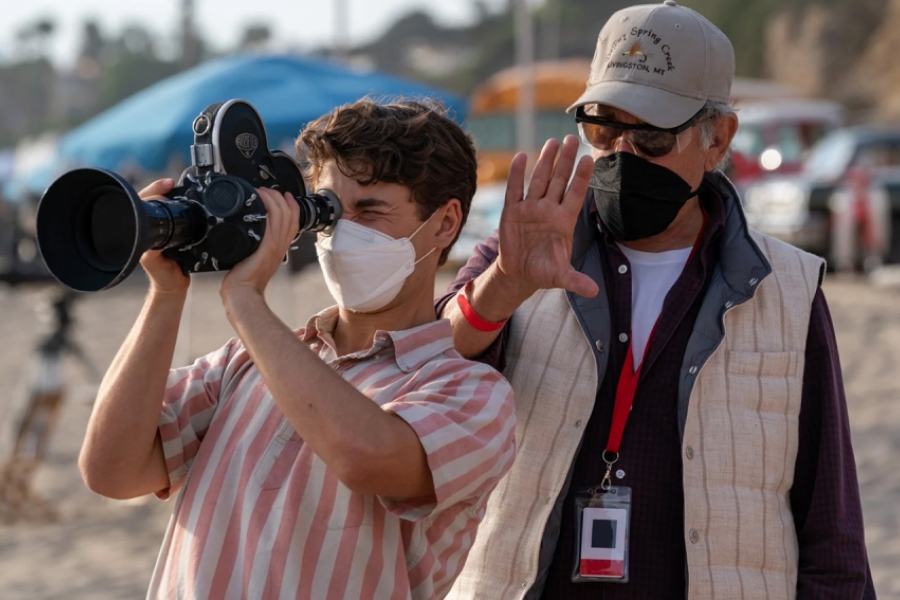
x,y
450,215
725,128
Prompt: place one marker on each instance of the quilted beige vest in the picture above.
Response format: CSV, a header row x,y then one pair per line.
x,y
738,449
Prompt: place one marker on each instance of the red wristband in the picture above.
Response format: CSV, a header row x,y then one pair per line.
x,y
471,316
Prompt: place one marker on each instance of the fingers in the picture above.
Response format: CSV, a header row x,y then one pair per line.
x,y
579,283
274,215
515,182
160,187
282,221
578,186
543,170
294,209
563,169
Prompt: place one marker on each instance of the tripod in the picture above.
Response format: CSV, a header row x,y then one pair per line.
x,y
40,416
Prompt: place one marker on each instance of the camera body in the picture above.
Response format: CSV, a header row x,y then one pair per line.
x,y
231,158
92,227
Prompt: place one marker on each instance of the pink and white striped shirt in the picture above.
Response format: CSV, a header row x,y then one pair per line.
x,y
259,515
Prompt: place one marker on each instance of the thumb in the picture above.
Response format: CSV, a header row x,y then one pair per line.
x,y
157,188
579,283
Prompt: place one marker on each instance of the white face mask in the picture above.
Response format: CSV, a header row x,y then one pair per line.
x,y
364,268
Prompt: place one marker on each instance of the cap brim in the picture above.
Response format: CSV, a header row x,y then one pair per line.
x,y
654,106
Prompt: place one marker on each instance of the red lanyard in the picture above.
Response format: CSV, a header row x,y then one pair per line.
x,y
627,388
625,391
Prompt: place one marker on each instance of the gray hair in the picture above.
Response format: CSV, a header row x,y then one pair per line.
x,y
712,112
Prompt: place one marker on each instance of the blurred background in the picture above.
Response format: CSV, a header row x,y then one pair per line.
x,y
116,85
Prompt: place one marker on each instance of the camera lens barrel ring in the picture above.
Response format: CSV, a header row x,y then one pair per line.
x,y
319,212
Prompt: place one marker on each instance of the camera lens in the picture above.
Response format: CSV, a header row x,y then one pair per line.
x,y
319,211
92,228
111,229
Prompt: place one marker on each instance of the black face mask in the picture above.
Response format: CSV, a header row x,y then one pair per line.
x,y
636,198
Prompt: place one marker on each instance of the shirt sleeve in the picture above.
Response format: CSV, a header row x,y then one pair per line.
x,y
825,493
464,416
485,254
189,404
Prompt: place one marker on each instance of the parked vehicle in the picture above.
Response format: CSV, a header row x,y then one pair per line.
x,y
775,136
492,111
845,202
483,220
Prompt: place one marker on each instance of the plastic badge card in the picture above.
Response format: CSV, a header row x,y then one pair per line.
x,y
603,520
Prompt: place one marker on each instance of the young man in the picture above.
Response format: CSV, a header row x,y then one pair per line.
x,y
351,458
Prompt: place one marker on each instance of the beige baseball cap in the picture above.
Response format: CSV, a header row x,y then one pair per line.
x,y
661,63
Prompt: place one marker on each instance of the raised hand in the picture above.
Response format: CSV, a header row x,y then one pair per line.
x,y
165,274
536,229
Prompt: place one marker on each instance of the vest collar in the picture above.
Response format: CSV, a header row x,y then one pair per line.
x,y
743,264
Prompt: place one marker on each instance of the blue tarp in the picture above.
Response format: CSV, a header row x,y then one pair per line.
x,y
152,127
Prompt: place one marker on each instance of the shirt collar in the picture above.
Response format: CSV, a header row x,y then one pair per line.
x,y
412,347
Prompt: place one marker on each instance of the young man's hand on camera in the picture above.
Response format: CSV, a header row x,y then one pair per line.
x,y
166,276
254,272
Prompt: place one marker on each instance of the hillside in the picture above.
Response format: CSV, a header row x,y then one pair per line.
x,y
840,49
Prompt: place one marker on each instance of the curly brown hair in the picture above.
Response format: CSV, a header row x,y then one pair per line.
x,y
412,143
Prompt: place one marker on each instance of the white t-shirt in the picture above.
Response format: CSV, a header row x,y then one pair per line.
x,y
652,276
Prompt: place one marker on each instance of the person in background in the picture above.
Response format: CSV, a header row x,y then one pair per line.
x,y
352,458
682,426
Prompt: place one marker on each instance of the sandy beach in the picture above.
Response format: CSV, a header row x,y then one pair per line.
x,y
101,549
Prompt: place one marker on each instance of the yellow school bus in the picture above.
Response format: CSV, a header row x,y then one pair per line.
x,y
492,111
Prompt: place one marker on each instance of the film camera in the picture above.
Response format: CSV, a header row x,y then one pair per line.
x,y
92,227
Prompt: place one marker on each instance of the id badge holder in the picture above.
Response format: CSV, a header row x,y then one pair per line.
x,y
602,521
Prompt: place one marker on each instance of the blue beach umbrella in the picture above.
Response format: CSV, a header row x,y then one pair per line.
x,y
152,129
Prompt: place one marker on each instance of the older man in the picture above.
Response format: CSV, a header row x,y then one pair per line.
x,y
682,427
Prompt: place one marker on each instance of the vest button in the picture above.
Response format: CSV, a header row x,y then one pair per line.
x,y
729,304
689,452
623,269
623,337
598,345
695,537
693,370
754,281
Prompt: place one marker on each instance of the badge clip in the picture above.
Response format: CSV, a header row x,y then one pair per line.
x,y
606,483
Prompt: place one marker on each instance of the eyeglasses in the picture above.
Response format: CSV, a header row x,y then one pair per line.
x,y
652,142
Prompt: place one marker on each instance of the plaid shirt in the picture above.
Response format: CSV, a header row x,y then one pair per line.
x,y
824,496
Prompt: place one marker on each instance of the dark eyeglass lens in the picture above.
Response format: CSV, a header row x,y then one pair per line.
x,y
599,136
653,144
